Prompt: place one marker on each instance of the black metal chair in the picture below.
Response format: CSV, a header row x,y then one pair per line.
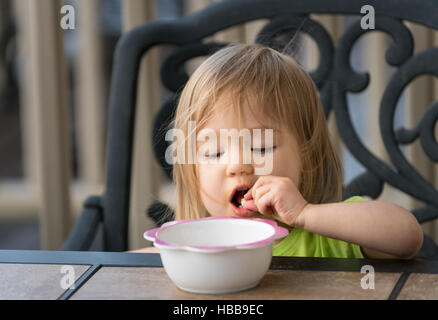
x,y
334,77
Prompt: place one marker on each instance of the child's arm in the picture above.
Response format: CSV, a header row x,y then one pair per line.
x,y
146,250
383,230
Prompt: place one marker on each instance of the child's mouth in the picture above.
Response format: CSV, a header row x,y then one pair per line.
x,y
237,202
238,197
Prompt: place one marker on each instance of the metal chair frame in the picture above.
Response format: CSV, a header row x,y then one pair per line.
x,y
334,76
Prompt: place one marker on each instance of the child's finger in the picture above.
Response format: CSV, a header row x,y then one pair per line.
x,y
259,192
248,194
250,204
264,204
260,182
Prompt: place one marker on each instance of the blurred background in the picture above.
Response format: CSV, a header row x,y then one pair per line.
x,y
54,88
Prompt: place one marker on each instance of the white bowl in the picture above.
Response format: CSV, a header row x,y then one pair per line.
x,y
217,254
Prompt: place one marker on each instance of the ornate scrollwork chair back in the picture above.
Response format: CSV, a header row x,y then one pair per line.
x,y
334,77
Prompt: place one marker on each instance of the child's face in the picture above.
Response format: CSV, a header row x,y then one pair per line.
x,y
219,180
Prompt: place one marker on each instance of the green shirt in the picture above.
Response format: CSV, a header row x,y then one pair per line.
x,y
302,243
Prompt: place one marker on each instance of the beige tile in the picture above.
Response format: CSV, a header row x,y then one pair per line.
x,y
153,283
34,281
420,286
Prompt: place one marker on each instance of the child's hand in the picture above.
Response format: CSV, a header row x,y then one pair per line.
x,y
277,197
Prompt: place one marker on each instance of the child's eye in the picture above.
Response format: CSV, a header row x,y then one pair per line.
x,y
263,150
214,155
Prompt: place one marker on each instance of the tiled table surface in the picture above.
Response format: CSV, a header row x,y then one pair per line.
x,y
33,281
100,275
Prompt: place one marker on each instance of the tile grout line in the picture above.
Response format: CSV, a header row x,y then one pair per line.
x,y
399,286
81,281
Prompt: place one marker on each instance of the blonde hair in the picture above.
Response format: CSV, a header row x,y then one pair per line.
x,y
288,97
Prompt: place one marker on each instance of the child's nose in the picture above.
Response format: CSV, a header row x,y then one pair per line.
x,y
242,164
239,169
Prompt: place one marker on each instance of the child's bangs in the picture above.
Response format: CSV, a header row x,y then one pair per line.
x,y
243,79
267,109
241,98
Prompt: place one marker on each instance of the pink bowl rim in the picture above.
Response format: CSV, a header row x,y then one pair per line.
x,y
153,235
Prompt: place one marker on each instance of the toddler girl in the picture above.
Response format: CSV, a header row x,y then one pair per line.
x,y
253,87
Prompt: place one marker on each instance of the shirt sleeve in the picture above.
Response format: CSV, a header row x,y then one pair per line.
x,y
351,250
337,248
354,199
